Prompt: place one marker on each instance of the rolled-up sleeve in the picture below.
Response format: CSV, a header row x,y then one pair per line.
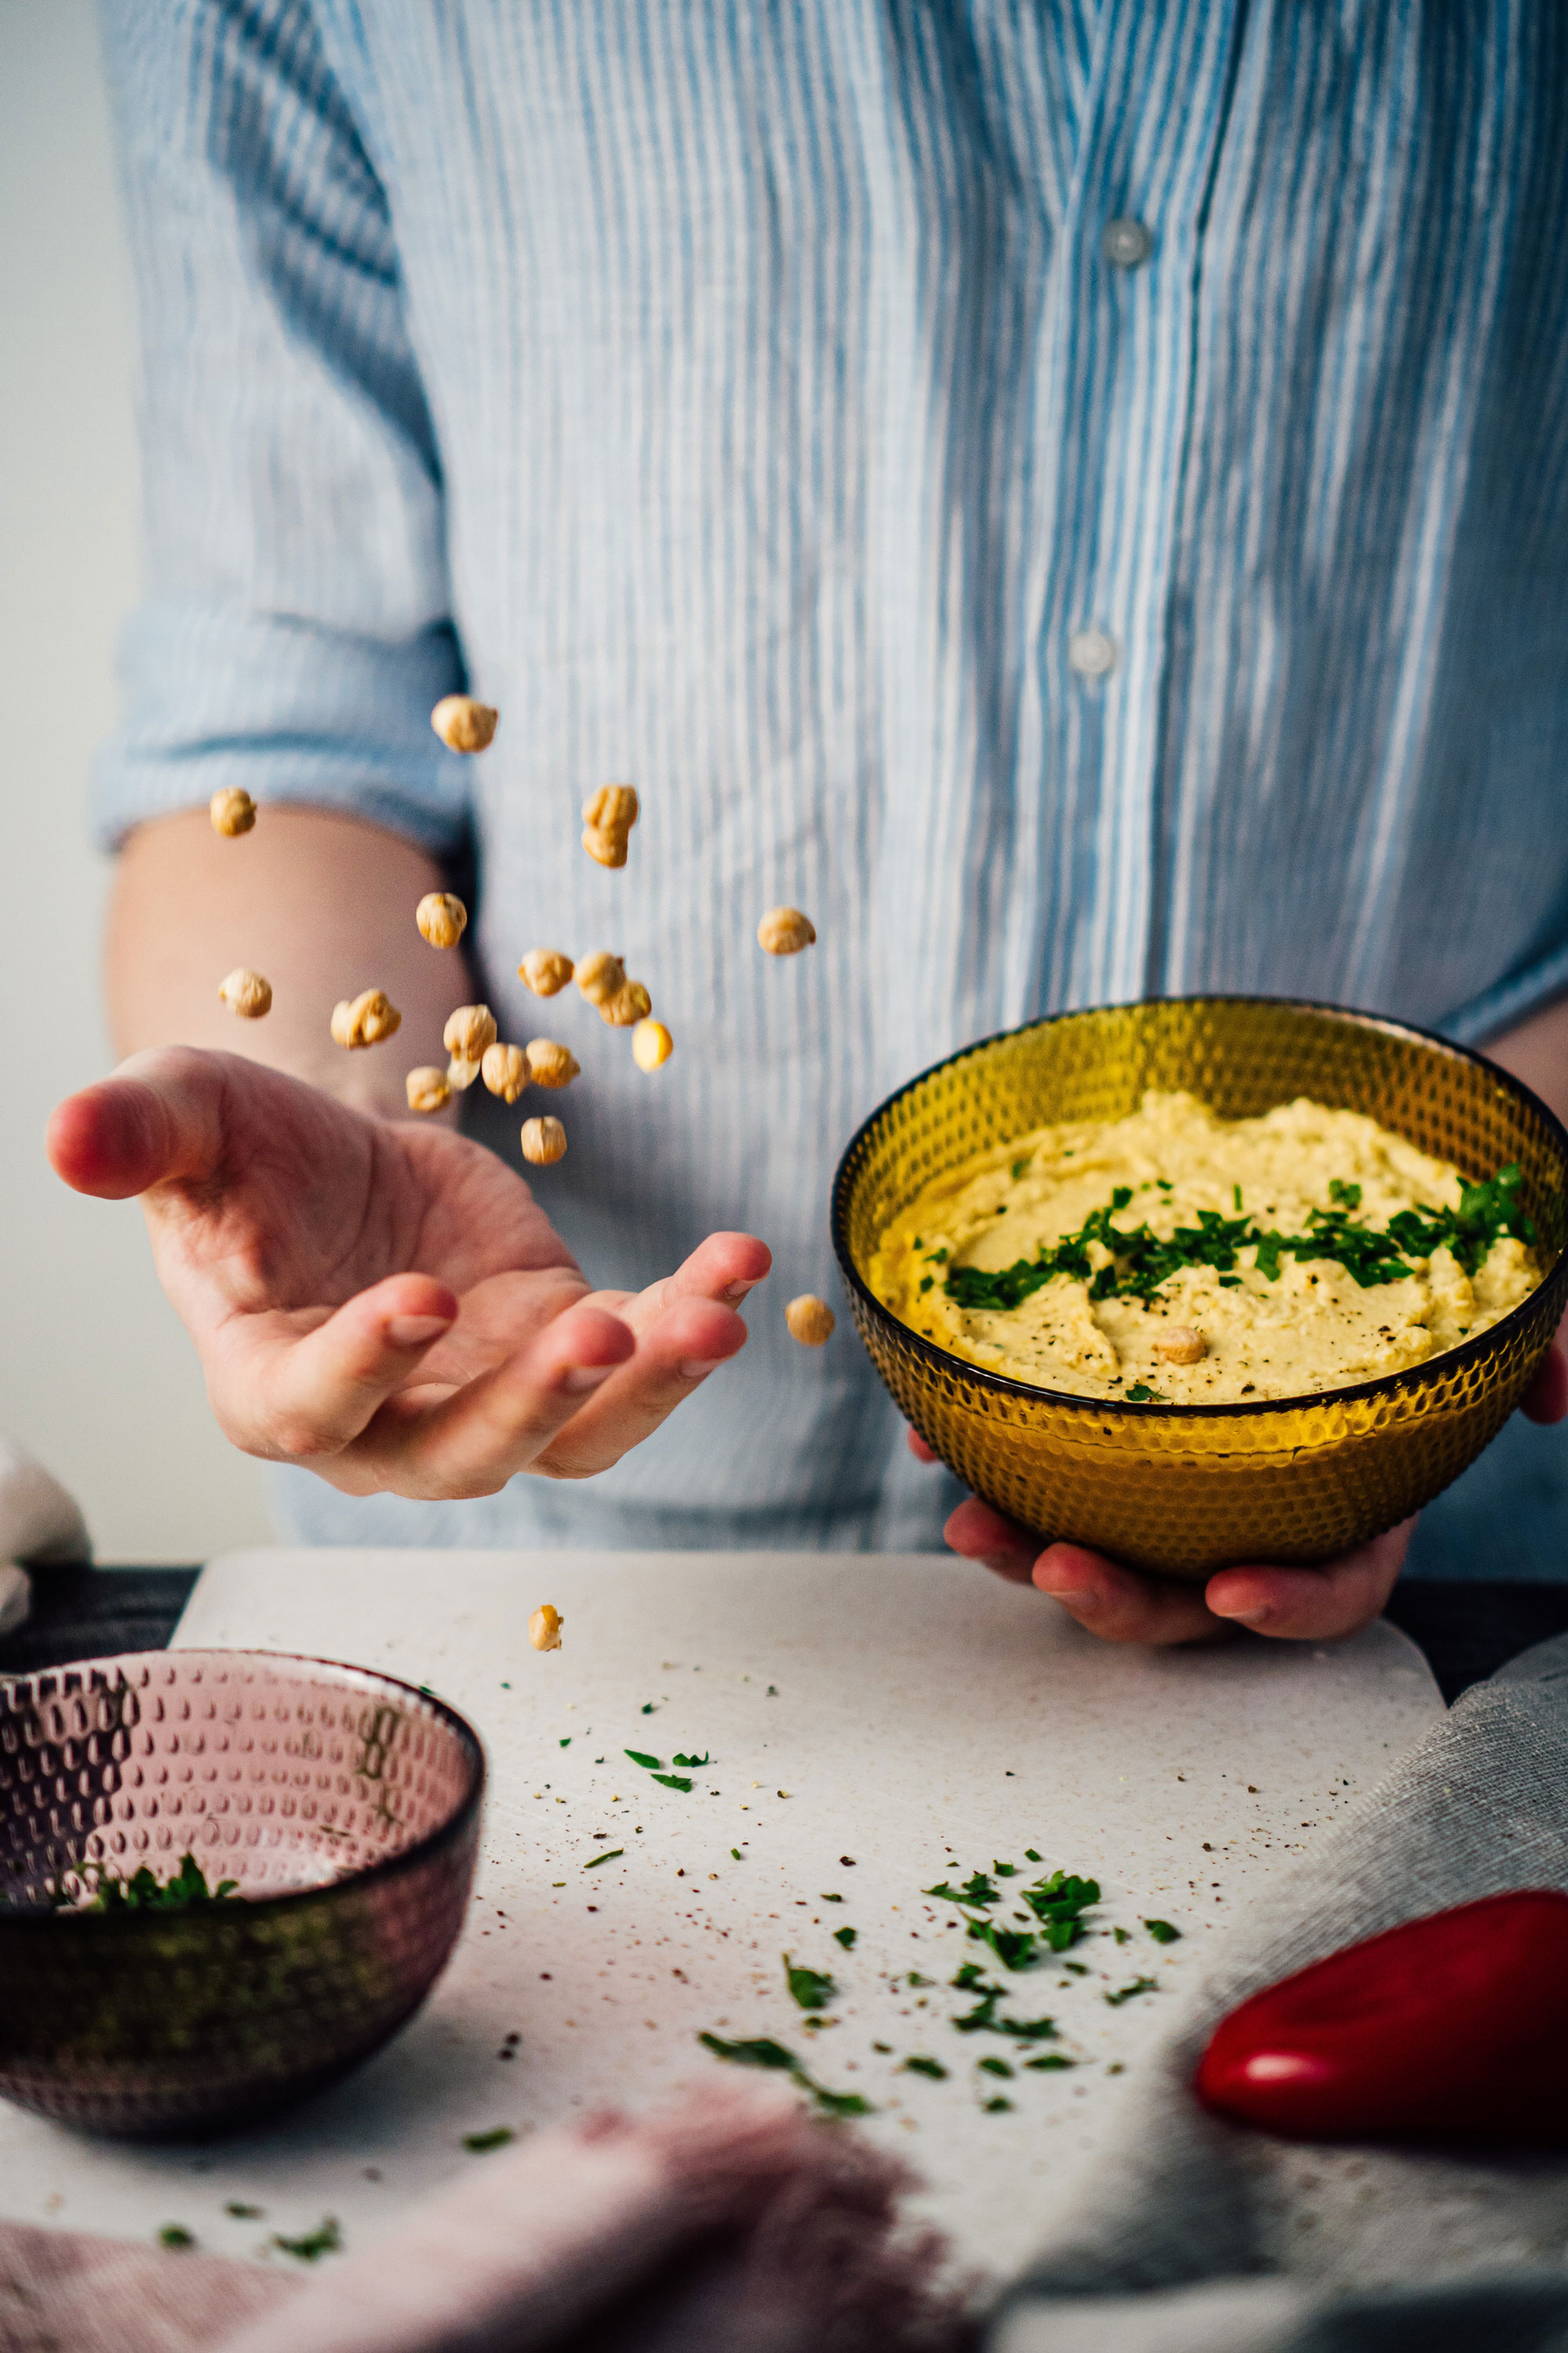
x,y
297,628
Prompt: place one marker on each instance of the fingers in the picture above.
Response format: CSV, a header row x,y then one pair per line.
x,y
157,1118
295,1397
919,1448
1546,1399
1117,1604
1313,1604
723,1267
980,1534
569,1405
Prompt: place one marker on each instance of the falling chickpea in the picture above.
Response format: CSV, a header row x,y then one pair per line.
x,y
468,1032
442,918
600,975
504,1069
784,931
231,811
631,1003
810,1320
429,1089
651,1045
246,994
366,1019
1181,1345
461,1071
543,1142
545,1628
550,1065
463,724
608,816
545,970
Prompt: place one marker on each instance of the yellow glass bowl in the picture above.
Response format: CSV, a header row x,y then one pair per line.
x,y
1185,1490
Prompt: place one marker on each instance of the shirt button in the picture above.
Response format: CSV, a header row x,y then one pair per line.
x,y
1091,653
1126,244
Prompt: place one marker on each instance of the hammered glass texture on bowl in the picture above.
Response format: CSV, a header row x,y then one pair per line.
x,y
1186,1489
345,1804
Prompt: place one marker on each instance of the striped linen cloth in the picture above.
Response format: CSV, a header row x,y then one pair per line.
x,y
750,401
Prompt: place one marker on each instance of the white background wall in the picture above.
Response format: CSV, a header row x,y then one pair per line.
x,y
95,1375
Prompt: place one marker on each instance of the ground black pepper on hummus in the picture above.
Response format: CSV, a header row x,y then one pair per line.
x,y
1178,1257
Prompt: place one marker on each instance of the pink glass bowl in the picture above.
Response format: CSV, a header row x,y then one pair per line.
x,y
345,1804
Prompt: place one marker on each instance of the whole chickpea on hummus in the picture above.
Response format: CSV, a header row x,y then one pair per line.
x,y
1175,1257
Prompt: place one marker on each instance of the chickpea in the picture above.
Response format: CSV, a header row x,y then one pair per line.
x,y
810,1320
246,994
608,816
600,975
442,919
545,1628
550,1065
543,1142
784,931
366,1019
651,1045
545,970
461,1071
463,724
468,1032
428,1088
231,811
630,1002
504,1069
1181,1345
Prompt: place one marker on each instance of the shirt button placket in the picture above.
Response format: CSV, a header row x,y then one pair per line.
x,y
1091,651
1126,244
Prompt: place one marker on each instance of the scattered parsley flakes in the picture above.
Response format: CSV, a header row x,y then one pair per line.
x,y
917,2065
1032,1854
734,1854
831,1899
1162,1932
325,2241
675,1781
995,2066
679,1760
174,2234
242,2213
648,1707
640,1756
567,1742
1128,1992
808,1988
608,1856
846,1936
763,2052
1122,1936
998,2106
143,1893
1050,2065
1020,1168
478,2143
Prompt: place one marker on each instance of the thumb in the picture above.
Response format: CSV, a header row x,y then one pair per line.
x,y
160,1117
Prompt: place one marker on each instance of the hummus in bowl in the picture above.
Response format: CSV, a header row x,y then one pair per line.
x,y
1173,1256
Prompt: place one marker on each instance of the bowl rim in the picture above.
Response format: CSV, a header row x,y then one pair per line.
x,y
448,1831
1408,1377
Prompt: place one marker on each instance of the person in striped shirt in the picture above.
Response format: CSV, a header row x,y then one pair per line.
x,y
1075,497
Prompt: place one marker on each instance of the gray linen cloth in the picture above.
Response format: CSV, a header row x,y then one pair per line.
x,y
1192,2236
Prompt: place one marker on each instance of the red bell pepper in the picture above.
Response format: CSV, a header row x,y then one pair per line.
x,y
1453,2027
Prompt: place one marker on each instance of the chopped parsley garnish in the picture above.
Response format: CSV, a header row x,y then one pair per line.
x,y
143,1892
174,2234
675,1781
1032,1854
679,1760
998,2106
1162,1932
846,1936
976,1889
982,2018
996,2067
567,1742
1020,1168
735,1854
766,2053
1053,2062
242,2213
1128,1992
1142,1394
920,2067
640,1756
1139,1261
608,1856
1058,1904
477,2143
326,2241
808,1988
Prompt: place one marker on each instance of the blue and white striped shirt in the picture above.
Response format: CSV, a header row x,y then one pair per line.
x,y
748,400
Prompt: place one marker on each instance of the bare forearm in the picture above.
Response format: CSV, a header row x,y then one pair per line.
x,y
320,904
1537,1052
